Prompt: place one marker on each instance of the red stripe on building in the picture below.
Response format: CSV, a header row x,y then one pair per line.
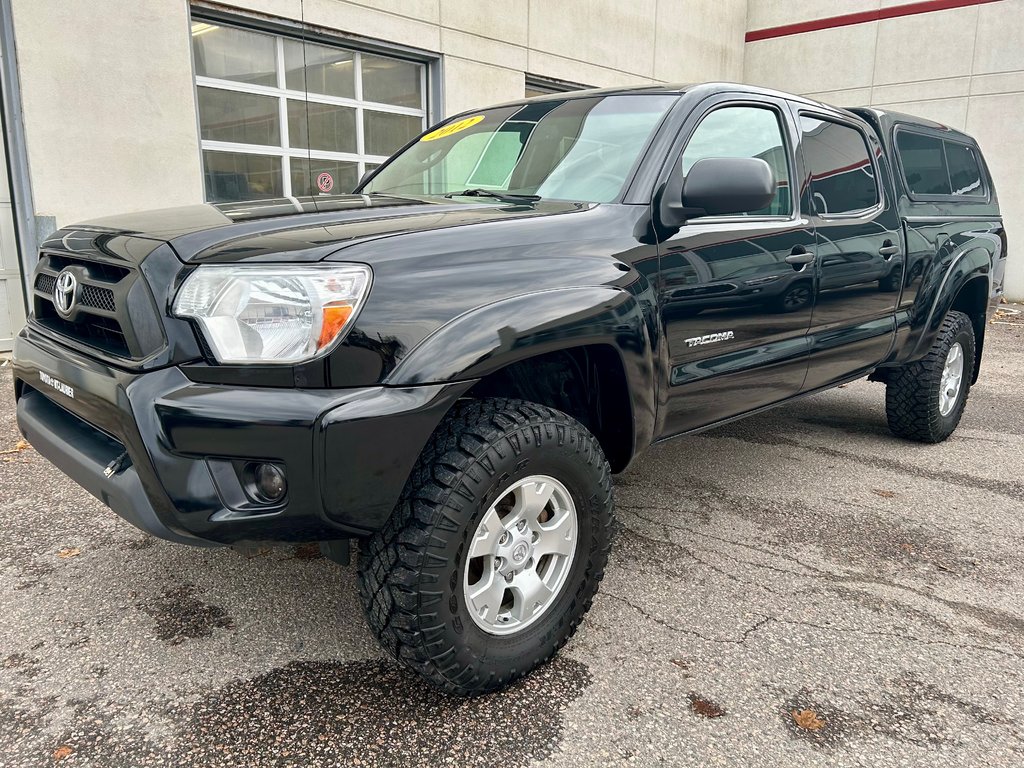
x,y
910,9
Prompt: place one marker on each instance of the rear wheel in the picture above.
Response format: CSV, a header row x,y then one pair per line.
x,y
496,549
925,400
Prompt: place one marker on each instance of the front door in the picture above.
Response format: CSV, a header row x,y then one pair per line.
x,y
736,291
860,259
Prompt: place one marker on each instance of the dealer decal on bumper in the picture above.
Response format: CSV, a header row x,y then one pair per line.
x,y
60,386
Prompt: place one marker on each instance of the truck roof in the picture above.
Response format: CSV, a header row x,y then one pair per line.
x,y
884,120
672,89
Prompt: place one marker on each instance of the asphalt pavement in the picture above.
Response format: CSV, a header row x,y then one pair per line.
x,y
795,589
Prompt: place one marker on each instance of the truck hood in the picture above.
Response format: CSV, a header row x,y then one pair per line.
x,y
306,229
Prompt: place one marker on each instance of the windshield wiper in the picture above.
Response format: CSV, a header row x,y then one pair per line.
x,y
507,197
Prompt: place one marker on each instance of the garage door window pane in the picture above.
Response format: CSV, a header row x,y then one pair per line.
x,y
231,176
393,82
242,118
320,69
386,133
306,177
227,53
321,127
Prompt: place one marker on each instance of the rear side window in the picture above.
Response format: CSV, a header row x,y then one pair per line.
x,y
934,166
842,174
964,170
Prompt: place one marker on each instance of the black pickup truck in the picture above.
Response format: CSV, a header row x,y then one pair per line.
x,y
449,365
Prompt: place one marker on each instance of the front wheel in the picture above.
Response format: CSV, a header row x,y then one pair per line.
x,y
495,551
925,400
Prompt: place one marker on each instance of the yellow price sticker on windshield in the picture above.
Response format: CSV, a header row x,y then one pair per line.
x,y
448,130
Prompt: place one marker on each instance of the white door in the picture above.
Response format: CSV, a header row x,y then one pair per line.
x,y
12,302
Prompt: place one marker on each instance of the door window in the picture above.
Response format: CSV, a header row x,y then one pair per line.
x,y
745,131
842,174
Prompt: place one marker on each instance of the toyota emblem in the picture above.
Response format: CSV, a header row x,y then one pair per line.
x,y
65,293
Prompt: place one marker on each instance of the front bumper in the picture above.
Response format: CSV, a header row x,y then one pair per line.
x,y
347,453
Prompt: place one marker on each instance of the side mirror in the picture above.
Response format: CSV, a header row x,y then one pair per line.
x,y
723,185
365,178
717,186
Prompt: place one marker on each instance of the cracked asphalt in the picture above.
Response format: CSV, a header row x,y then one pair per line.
x,y
796,589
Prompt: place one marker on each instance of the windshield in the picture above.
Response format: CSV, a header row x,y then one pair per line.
x,y
573,149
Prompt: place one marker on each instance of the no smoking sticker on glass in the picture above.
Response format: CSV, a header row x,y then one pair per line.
x,y
448,130
325,182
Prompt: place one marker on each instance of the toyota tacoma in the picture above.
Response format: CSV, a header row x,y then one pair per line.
x,y
447,366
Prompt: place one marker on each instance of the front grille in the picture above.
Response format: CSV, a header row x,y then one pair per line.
x,y
98,298
113,312
101,333
92,296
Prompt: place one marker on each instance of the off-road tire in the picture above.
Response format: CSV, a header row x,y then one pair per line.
x,y
410,573
912,392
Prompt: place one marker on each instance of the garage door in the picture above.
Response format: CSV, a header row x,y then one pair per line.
x,y
12,303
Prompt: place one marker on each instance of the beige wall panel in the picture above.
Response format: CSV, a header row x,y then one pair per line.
x,y
614,34
109,106
1003,82
926,46
426,10
283,9
470,84
484,50
1001,140
507,21
763,14
923,90
844,56
550,65
1000,27
951,112
854,97
699,41
370,22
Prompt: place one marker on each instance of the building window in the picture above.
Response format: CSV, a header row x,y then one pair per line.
x,y
281,117
536,85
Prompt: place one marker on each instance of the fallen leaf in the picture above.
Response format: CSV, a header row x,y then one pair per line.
x,y
883,493
681,663
908,548
19,446
705,707
69,552
807,719
61,752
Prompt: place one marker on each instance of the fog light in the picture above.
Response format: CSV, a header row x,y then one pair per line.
x,y
269,482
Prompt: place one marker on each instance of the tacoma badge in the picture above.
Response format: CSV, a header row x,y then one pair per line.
x,y
710,338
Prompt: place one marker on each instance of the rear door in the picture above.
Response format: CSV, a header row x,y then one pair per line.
x,y
735,308
859,264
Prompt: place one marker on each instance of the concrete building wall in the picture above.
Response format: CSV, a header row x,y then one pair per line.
x,y
109,104
962,66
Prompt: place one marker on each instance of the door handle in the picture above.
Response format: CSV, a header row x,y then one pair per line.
x,y
799,258
889,250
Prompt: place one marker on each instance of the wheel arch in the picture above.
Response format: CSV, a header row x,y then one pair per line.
x,y
965,287
586,351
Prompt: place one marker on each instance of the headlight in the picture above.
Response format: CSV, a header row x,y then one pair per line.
x,y
271,314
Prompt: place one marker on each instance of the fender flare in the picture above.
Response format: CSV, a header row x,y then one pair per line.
x,y
966,266
489,338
